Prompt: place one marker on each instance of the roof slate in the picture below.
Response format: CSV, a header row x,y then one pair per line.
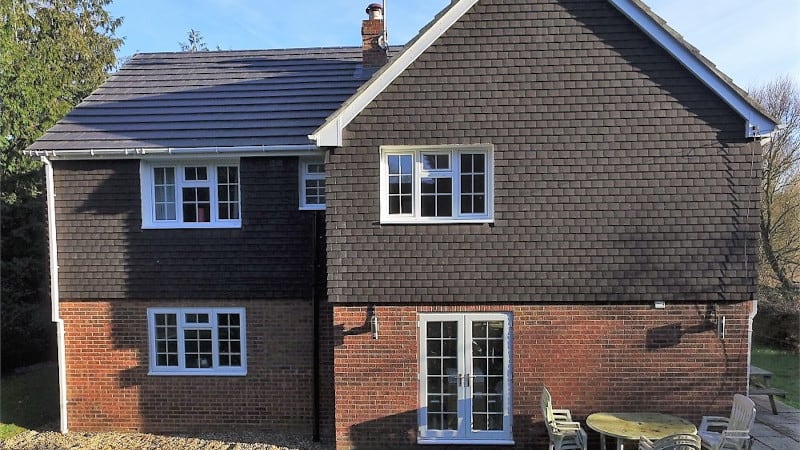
x,y
212,99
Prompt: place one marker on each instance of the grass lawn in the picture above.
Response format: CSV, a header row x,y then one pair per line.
x,y
28,400
786,369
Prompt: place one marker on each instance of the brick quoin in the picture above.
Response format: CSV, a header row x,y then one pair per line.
x,y
108,387
604,357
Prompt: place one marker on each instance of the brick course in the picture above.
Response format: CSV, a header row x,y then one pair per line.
x,y
108,387
593,357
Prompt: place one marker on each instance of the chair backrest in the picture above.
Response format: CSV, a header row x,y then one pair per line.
x,y
678,442
743,414
547,408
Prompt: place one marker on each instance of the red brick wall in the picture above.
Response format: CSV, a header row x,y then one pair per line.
x,y
109,389
592,357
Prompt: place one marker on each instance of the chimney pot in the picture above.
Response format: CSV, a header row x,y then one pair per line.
x,y
375,11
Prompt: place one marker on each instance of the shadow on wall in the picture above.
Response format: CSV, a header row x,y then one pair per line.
x,y
399,431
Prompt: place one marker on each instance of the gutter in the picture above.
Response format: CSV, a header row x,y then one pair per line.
x,y
135,153
54,297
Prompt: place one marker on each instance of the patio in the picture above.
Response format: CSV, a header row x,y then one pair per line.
x,y
775,432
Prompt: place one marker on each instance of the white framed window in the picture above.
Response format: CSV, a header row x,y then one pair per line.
x,y
465,378
312,183
197,341
437,184
190,194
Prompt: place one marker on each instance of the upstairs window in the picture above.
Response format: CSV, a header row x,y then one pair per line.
x,y
312,183
436,184
197,341
198,194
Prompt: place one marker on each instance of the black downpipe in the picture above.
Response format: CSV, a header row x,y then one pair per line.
x,y
316,308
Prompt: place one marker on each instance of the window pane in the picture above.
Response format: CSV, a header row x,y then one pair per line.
x,y
166,340
228,333
164,193
436,197
228,193
198,173
473,183
435,161
400,184
196,204
198,348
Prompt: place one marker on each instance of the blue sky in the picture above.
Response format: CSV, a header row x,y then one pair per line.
x,y
752,42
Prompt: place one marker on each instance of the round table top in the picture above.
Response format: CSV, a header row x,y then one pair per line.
x,y
633,425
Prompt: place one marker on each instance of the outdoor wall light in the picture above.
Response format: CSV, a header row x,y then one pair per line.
x,y
717,320
373,322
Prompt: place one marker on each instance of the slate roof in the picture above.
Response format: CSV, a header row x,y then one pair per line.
x,y
212,99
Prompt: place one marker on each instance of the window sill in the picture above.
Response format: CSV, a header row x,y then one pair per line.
x,y
414,221
197,373
422,441
312,208
188,226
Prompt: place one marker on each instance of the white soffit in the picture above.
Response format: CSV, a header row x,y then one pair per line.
x,y
756,123
330,133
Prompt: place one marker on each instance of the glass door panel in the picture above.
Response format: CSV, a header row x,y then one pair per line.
x,y
465,377
488,369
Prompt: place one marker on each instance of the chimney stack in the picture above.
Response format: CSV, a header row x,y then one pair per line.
x,y
374,48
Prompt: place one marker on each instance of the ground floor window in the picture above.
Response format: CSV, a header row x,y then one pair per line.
x,y
197,341
465,378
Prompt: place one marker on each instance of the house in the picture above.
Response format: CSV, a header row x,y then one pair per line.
x,y
557,192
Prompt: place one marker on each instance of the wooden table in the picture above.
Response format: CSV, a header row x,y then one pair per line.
x,y
760,380
630,426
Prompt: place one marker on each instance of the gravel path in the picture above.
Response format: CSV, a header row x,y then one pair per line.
x,y
52,440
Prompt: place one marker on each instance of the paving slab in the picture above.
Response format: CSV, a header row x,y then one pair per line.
x,y
775,431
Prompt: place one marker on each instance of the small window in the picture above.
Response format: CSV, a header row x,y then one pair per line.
x,y
312,183
190,195
436,184
190,341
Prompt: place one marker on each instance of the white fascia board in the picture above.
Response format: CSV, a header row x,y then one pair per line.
x,y
139,153
330,133
756,123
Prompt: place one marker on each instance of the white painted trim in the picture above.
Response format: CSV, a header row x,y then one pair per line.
x,y
422,441
54,295
756,123
167,152
147,195
330,133
464,434
302,176
181,325
453,150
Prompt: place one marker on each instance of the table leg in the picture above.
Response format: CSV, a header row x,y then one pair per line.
x,y
602,441
620,444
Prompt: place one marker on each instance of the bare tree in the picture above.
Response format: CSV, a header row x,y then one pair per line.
x,y
780,195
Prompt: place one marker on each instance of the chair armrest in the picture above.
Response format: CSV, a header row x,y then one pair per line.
x,y
713,422
562,414
735,434
645,444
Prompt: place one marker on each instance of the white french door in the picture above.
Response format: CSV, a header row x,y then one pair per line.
x,y
465,377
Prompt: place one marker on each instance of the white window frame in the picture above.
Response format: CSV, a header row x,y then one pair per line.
x,y
182,324
303,175
464,434
146,177
455,151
